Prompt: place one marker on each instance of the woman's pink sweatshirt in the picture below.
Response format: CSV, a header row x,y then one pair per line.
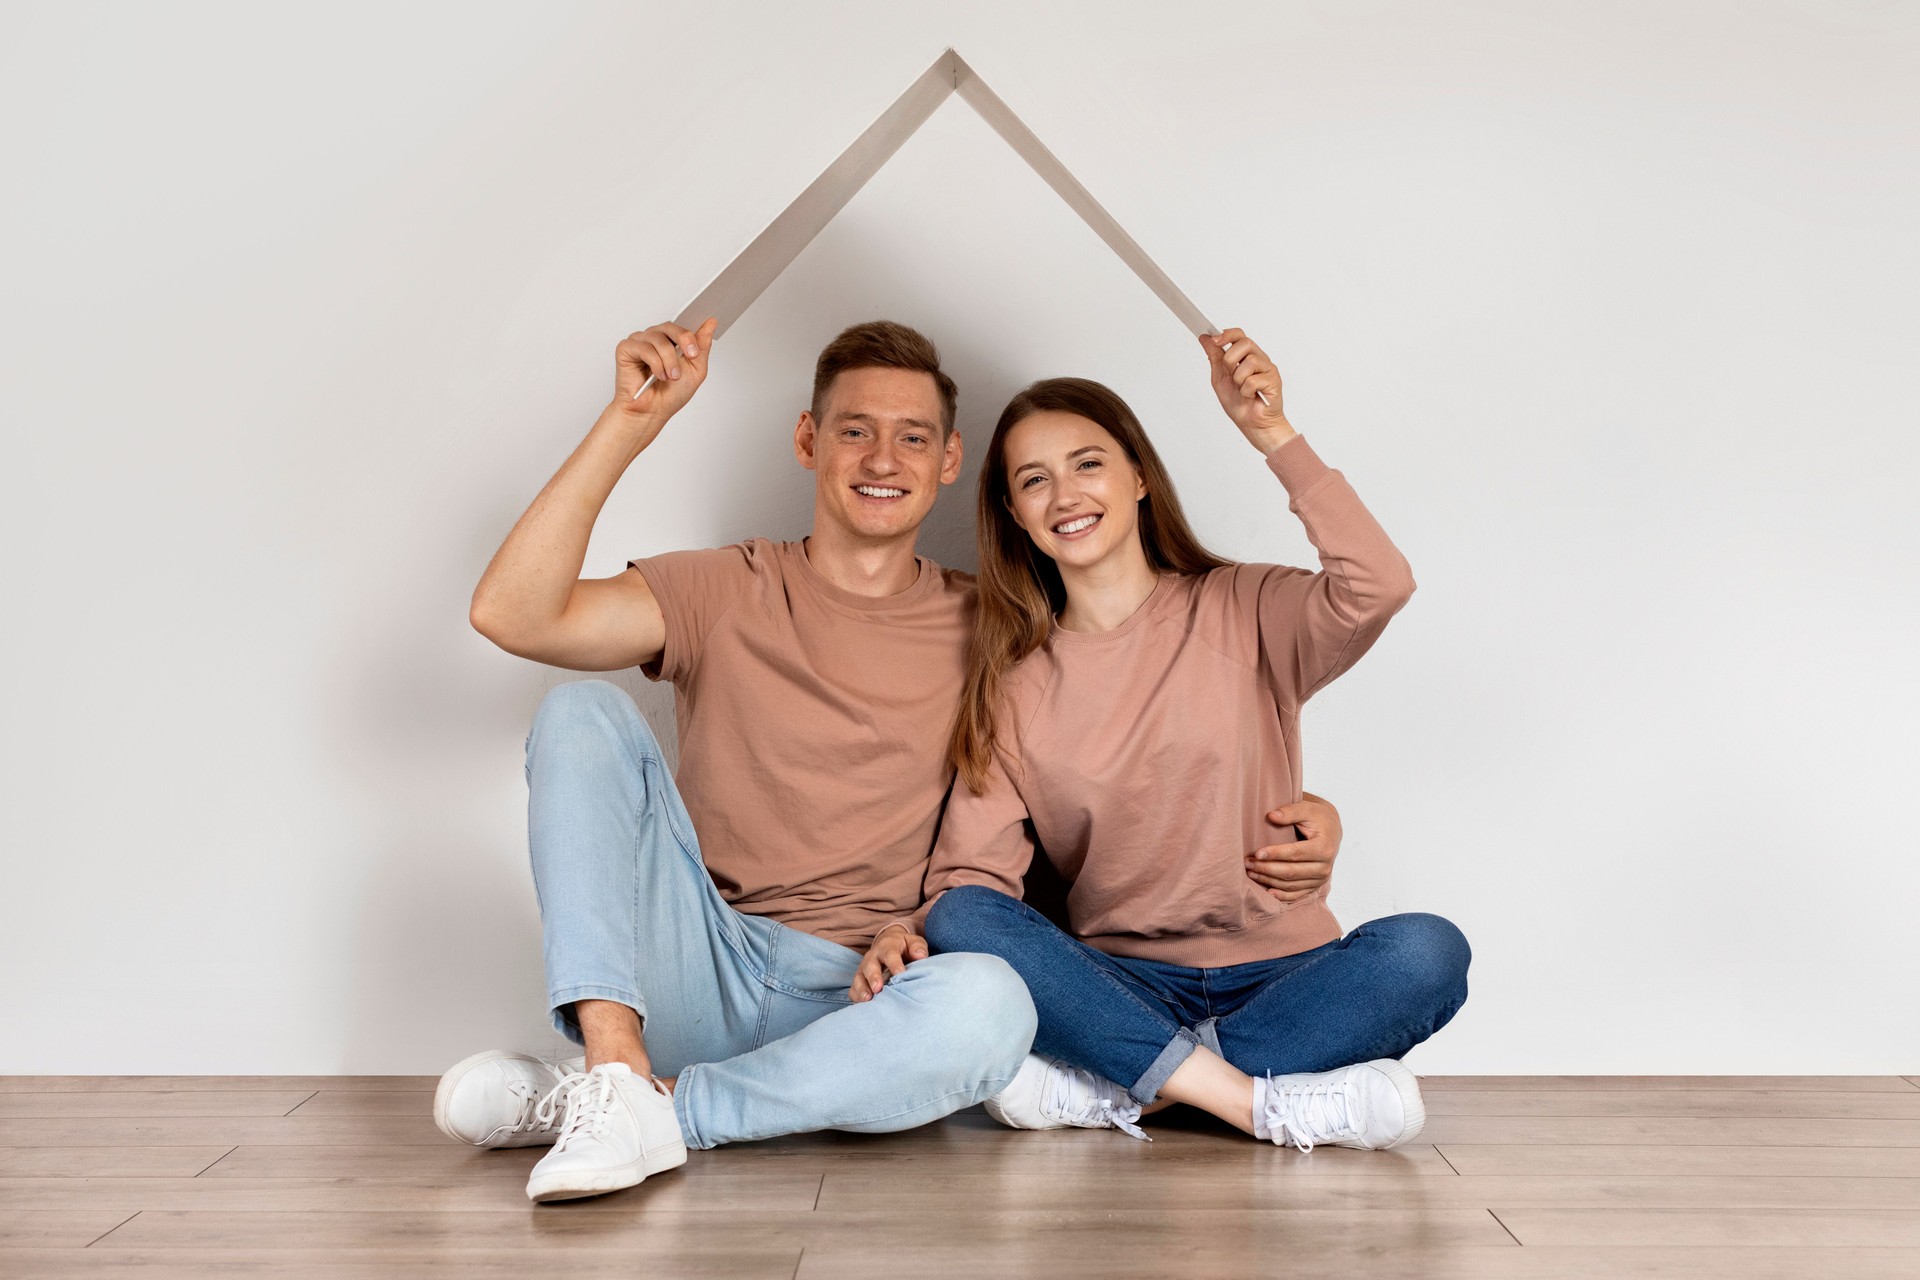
x,y
1144,759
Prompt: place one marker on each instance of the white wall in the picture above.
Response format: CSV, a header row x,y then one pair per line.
x,y
1607,311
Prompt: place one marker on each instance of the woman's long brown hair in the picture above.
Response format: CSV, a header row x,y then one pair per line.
x,y
1020,587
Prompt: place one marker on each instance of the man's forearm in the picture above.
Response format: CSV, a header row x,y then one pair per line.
x,y
530,578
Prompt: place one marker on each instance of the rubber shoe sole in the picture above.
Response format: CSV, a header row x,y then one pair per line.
x,y
1411,1104
580,1183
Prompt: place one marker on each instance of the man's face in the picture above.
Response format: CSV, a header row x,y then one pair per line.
x,y
878,458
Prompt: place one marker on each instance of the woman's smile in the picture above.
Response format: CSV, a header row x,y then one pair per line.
x,y
1076,526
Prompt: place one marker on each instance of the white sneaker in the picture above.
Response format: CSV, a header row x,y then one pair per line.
x,y
1372,1105
500,1099
1047,1093
619,1128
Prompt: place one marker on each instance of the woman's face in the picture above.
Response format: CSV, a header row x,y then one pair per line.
x,y
1074,490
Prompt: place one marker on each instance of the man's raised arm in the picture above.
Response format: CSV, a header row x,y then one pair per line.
x,y
532,601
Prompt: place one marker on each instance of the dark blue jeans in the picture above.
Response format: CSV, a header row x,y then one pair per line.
x,y
1375,993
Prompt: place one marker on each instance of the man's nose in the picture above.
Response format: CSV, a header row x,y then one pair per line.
x,y
882,459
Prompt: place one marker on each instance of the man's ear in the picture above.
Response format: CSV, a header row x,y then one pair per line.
x,y
804,435
950,465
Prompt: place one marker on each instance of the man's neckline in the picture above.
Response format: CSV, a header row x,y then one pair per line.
x,y
925,574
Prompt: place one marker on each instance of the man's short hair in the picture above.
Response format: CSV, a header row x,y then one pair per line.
x,y
882,344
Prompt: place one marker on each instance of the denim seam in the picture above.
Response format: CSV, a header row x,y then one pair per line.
x,y
1166,1013
729,930
818,997
1256,992
766,1005
940,1099
1208,1029
634,876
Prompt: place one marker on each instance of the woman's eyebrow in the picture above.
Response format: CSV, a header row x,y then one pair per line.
x,y
1085,448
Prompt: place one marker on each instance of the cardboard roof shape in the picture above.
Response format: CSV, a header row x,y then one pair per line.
x,y
745,278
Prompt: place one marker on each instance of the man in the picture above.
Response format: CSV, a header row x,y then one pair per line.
x,y
704,935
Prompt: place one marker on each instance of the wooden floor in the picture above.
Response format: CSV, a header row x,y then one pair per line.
x,y
1747,1177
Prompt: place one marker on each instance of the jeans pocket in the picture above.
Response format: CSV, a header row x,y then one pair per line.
x,y
810,968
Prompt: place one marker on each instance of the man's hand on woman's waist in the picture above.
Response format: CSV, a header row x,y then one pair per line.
x,y
1299,869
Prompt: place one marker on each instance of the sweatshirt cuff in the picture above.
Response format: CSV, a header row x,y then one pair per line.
x,y
1297,465
913,924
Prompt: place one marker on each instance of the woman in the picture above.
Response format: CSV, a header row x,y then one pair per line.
x,y
1133,706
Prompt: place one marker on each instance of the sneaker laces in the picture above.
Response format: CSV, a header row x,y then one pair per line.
x,y
1301,1115
536,1112
1081,1098
589,1101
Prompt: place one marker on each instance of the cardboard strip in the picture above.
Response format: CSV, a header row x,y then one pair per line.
x,y
773,250
1028,146
761,262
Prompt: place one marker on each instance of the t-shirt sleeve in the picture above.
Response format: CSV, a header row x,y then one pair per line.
x,y
1314,626
985,839
694,589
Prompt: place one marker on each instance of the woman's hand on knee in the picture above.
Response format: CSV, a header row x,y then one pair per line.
x,y
891,951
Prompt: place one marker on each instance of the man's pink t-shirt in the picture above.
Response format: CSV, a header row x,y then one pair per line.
x,y
813,728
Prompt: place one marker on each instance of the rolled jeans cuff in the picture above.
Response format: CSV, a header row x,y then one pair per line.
x,y
1178,1050
682,1091
1209,1034
561,1003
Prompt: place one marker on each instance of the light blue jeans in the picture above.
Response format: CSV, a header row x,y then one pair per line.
x,y
753,1017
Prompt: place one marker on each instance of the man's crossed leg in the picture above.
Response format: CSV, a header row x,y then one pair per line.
x,y
748,1019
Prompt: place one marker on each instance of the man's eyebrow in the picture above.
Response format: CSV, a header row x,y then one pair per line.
x,y
870,420
1085,448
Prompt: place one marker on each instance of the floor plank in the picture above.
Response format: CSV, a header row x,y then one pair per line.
x,y
361,1160
845,1260
723,1192
1700,1161
1718,1228
1582,1084
1444,1131
358,1102
200,1131
1058,1233
111,1104
885,1192
53,1229
106,1162
212,1084
1805,1104
900,1159
714,1260
881,1193
1069,1159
